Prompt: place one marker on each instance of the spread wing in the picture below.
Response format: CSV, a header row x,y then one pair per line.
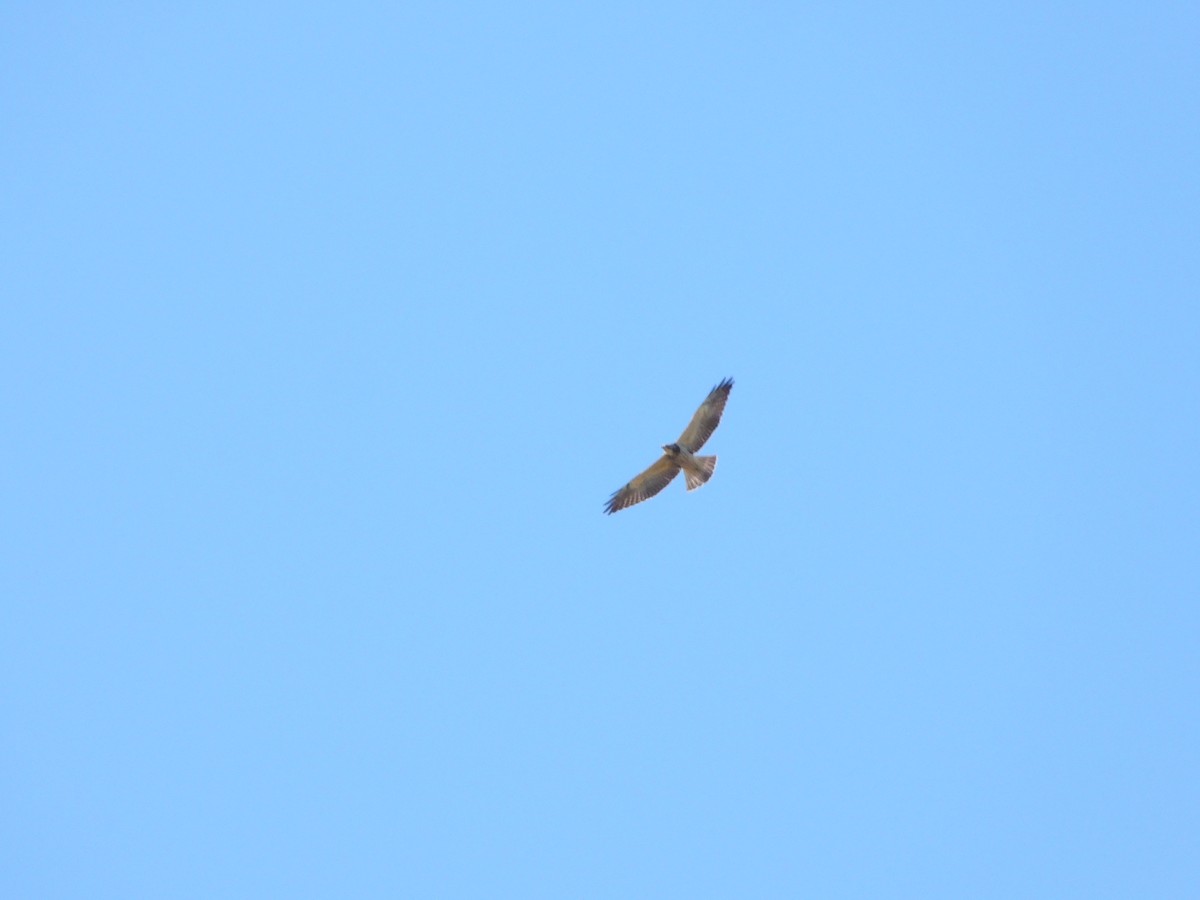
x,y
644,486
707,417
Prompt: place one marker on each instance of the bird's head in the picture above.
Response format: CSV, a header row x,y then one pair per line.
x,y
671,449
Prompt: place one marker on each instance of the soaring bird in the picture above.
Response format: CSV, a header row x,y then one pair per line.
x,y
680,455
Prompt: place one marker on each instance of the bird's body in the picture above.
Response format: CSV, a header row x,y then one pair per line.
x,y
680,455
696,469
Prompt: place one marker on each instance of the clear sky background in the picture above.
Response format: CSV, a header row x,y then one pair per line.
x,y
328,329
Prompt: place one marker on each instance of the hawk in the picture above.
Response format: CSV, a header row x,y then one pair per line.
x,y
680,455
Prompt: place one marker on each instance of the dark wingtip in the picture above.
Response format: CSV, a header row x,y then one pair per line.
x,y
726,385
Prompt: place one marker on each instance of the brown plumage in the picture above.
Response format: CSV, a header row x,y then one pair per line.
x,y
680,455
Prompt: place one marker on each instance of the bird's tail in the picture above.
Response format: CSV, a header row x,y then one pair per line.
x,y
696,476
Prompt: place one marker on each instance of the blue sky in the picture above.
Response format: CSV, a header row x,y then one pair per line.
x,y
330,329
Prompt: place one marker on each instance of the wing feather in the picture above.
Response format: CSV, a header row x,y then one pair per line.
x,y
707,417
644,486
